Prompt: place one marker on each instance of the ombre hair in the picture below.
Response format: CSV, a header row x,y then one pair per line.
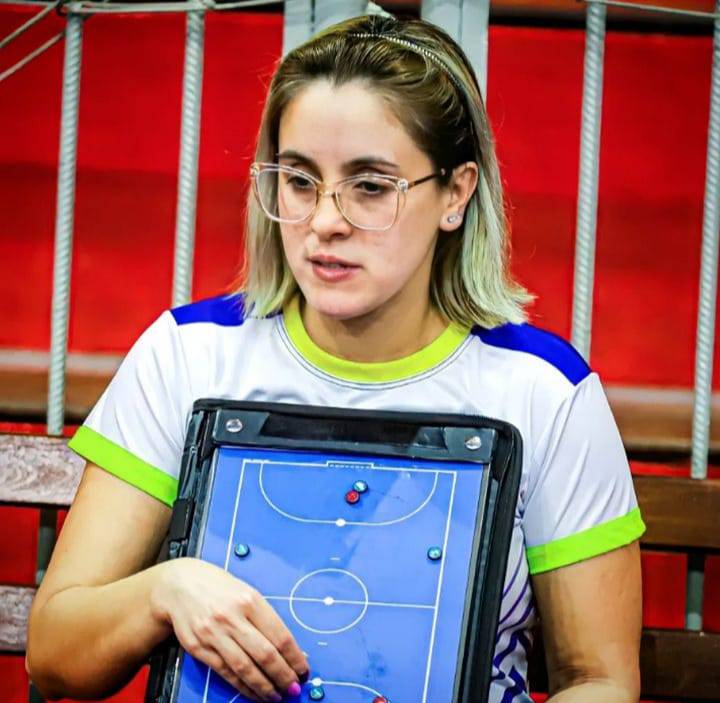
x,y
427,81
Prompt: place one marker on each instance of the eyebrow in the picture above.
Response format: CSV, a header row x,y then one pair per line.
x,y
369,160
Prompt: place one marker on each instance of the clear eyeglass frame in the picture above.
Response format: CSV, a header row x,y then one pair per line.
x,y
402,185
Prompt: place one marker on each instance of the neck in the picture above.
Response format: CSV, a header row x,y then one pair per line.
x,y
366,338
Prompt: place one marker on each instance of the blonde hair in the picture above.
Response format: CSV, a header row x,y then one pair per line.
x,y
428,82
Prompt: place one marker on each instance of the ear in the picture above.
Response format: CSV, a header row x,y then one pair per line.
x,y
463,182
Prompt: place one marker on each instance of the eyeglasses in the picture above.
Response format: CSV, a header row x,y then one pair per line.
x,y
367,201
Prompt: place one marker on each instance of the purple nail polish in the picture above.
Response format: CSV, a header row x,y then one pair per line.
x,y
294,689
275,697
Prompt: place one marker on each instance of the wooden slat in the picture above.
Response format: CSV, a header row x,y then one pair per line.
x,y
674,664
679,512
679,664
38,470
15,604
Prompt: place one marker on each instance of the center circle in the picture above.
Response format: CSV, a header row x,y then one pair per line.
x,y
338,588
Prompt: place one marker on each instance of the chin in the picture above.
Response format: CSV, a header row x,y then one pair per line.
x,y
339,305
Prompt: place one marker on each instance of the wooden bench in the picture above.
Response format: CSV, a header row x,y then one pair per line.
x,y
681,514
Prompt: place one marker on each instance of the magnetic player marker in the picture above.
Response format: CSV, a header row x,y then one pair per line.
x,y
317,693
242,550
434,553
380,699
352,497
360,486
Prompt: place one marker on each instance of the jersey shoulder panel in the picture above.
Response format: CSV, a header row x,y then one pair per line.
x,y
540,343
222,310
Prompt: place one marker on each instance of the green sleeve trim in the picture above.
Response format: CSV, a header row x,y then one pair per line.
x,y
586,544
121,463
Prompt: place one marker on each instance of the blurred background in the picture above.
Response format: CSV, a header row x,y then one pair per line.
x,y
653,149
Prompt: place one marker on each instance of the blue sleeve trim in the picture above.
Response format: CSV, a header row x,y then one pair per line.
x,y
224,310
541,343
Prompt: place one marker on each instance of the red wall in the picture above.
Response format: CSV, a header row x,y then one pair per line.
x,y
654,136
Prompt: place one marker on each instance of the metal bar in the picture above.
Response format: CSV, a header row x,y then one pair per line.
x,y
583,281
24,28
706,325
298,23
708,276
189,150
32,55
67,166
694,594
329,12
655,8
475,18
445,14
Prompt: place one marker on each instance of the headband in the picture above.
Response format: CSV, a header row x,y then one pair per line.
x,y
416,48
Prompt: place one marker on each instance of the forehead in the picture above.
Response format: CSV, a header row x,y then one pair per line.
x,y
333,124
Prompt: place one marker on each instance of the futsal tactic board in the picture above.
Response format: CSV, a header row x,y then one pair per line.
x,y
380,539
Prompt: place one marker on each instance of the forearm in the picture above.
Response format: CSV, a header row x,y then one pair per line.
x,y
594,692
86,641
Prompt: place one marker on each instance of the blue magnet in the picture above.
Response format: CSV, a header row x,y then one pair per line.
x,y
317,693
242,550
434,553
360,486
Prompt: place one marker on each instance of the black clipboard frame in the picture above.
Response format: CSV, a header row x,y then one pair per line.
x,y
440,437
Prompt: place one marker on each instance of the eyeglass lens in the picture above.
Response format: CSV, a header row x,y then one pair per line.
x,y
369,201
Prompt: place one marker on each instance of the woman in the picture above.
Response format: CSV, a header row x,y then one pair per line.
x,y
376,278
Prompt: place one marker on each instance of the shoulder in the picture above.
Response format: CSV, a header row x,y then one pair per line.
x,y
530,350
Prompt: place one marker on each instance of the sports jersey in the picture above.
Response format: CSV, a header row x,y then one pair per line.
x,y
576,497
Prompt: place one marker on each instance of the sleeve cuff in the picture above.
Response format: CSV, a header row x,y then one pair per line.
x,y
121,463
586,544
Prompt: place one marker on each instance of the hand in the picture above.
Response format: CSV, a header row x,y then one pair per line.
x,y
227,625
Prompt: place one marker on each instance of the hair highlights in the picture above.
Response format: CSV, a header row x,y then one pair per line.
x,y
428,82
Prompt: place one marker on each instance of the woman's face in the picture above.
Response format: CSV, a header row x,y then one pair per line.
x,y
322,131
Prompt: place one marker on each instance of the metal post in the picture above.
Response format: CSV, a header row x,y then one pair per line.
x,y
474,26
189,148
67,166
298,22
706,324
60,309
329,12
588,186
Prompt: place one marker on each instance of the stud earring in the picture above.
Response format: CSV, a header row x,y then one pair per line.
x,y
453,218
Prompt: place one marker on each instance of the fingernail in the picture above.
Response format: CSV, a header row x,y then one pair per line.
x,y
294,689
275,697
304,677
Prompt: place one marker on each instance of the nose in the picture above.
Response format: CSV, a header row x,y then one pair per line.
x,y
327,220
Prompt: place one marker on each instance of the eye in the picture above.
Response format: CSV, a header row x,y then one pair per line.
x,y
300,183
371,187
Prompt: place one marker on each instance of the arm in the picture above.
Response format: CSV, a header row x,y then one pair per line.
x,y
591,618
102,607
94,603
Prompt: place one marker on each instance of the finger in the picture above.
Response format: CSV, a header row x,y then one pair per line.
x,y
267,658
238,659
219,666
268,622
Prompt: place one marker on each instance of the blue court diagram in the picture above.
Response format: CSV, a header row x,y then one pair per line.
x,y
354,581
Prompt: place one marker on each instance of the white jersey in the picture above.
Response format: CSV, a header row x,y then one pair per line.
x,y
576,496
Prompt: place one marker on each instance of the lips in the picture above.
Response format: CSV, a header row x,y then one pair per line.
x,y
331,269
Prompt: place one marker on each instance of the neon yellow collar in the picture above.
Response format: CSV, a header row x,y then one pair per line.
x,y
370,372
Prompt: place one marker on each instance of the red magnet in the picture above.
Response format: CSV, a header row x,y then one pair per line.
x,y
380,699
352,497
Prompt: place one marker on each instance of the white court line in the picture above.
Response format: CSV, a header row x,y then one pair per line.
x,y
352,602
329,465
437,596
352,685
347,522
227,556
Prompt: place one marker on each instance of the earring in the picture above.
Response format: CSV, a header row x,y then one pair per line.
x,y
453,218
